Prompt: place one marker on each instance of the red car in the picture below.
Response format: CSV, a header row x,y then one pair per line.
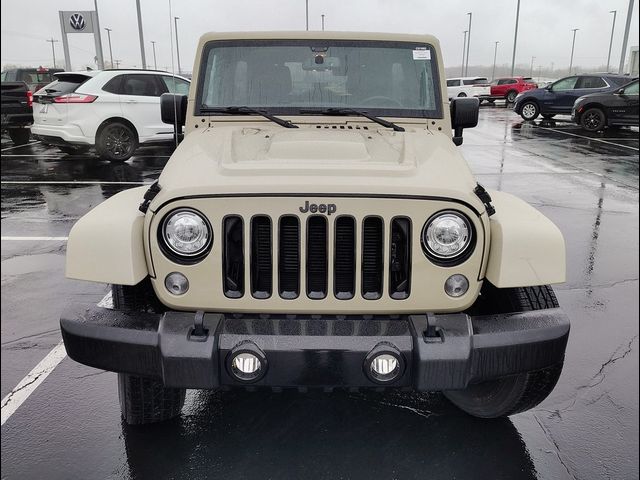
x,y
509,88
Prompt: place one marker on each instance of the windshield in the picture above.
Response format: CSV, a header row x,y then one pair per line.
x,y
291,77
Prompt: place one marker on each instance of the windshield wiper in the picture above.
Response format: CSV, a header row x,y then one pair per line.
x,y
351,111
243,110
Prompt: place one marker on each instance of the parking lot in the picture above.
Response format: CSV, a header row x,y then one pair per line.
x,y
70,427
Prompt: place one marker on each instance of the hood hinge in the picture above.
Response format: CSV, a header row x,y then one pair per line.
x,y
149,195
485,198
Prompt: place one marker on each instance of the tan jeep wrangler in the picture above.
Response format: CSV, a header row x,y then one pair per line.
x,y
317,227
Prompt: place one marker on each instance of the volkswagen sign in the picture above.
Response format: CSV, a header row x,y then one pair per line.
x,y
77,22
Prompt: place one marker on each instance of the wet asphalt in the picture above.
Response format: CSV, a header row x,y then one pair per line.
x,y
70,427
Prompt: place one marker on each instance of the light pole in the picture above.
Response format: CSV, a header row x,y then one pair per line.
x,y
109,30
155,63
464,50
515,40
531,71
322,21
99,39
495,55
306,12
175,19
142,55
53,50
573,46
466,65
613,27
626,37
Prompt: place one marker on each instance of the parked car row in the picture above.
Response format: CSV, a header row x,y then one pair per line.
x,y
593,101
114,111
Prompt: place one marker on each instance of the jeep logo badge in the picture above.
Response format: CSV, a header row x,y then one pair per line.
x,y
327,208
77,21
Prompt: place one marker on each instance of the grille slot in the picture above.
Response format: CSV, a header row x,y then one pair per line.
x,y
261,257
289,257
344,267
317,257
233,256
372,261
400,258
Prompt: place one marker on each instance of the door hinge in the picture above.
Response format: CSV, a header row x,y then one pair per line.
x,y
485,198
149,195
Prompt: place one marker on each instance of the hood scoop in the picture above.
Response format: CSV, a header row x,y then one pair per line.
x,y
318,146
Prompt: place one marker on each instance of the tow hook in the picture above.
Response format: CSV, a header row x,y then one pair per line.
x,y
198,333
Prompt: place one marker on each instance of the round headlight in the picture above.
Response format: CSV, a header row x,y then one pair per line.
x,y
447,235
186,233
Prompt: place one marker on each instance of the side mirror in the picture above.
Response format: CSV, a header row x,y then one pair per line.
x,y
464,114
619,91
173,109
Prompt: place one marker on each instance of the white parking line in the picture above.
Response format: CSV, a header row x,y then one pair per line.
x,y
28,384
70,182
34,239
589,138
20,146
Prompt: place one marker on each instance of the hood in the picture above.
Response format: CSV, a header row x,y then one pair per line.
x,y
328,159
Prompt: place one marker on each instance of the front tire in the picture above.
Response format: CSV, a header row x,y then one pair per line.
x,y
516,393
593,120
530,111
144,400
462,95
117,142
19,136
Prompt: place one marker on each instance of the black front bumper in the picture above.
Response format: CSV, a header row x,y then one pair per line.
x,y
439,352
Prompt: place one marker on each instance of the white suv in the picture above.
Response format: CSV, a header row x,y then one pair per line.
x,y
468,87
111,110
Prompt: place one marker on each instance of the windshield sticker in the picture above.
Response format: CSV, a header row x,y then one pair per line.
x,y
422,54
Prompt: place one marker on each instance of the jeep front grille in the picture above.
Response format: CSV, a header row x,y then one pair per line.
x,y
370,233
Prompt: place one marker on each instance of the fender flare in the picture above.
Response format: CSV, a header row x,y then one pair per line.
x,y
106,245
527,249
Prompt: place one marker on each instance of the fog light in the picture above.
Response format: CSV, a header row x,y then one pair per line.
x,y
176,283
385,367
384,363
246,362
246,366
456,285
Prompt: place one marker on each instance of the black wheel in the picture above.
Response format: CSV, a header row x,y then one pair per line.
x,y
117,142
73,150
511,96
548,116
462,94
516,393
593,120
530,110
20,136
144,400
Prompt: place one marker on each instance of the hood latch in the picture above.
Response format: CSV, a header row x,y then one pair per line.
x,y
485,198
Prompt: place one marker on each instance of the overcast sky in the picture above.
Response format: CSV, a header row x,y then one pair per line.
x,y
545,27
